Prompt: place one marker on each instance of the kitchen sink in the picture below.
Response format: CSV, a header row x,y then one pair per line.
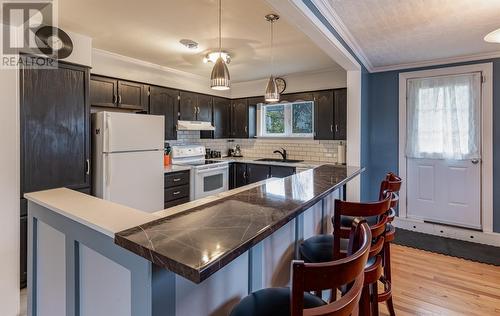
x,y
279,160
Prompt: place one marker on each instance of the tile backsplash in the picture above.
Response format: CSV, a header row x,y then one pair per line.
x,y
303,149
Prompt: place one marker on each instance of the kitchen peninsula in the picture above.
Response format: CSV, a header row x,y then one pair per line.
x,y
199,258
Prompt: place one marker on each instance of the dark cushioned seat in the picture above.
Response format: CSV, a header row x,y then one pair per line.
x,y
271,302
319,248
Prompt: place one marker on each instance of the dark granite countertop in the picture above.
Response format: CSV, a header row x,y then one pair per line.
x,y
200,241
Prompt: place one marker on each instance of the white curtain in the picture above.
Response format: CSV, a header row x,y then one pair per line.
x,y
443,117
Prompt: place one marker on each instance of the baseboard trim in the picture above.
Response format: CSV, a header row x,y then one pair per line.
x,y
492,239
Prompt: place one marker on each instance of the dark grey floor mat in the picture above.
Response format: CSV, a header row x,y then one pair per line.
x,y
450,247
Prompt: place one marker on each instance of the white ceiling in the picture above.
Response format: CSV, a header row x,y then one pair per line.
x,y
396,32
151,30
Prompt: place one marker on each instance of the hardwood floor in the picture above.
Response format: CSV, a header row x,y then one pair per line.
x,y
426,283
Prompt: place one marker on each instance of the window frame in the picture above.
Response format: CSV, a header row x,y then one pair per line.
x,y
288,121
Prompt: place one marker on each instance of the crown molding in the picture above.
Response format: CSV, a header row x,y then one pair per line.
x,y
148,64
326,9
438,62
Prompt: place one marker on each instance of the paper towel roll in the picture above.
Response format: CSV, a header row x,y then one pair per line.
x,y
341,153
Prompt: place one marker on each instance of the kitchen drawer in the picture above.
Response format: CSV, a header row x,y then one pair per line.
x,y
176,202
176,193
175,179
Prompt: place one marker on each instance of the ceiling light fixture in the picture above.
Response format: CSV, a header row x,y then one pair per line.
x,y
272,93
220,79
190,44
213,56
493,37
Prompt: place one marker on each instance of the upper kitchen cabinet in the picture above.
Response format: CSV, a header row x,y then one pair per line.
x,y
55,128
221,117
195,107
340,114
109,92
163,101
330,114
243,118
323,114
296,97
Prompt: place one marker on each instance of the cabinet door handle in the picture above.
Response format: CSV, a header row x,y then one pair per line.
x,y
331,128
246,129
244,174
336,127
119,99
114,98
176,193
195,111
87,166
177,179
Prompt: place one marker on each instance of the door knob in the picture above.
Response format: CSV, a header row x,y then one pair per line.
x,y
475,161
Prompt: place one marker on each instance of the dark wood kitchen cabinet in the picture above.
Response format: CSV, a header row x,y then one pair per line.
x,y
330,114
164,101
176,188
55,128
323,114
340,114
240,174
296,97
282,171
54,134
221,117
195,107
243,118
256,173
111,92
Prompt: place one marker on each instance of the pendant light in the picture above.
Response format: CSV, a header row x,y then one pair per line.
x,y
220,79
272,94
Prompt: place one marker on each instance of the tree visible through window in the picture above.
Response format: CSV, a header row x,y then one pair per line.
x,y
287,120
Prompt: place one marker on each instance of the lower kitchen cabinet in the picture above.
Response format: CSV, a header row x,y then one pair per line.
x,y
241,174
176,188
282,171
256,173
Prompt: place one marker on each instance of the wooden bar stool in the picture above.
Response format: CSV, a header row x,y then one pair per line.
x,y
391,183
347,272
323,248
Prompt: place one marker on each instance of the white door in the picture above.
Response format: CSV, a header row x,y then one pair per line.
x,y
135,179
444,149
133,132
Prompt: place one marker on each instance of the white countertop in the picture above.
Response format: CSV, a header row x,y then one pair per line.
x,y
175,168
98,214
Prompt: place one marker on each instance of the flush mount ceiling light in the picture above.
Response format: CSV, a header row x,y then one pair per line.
x,y
213,56
272,93
190,44
493,37
220,79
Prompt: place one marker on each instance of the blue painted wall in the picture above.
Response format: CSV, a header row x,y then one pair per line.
x,y
383,117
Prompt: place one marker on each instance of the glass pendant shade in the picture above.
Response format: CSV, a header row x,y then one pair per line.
x,y
493,37
220,79
272,94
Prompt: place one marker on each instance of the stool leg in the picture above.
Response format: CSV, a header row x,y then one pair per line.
x,y
388,276
374,299
364,302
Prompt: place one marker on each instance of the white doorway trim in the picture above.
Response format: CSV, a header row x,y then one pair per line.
x,y
486,135
298,14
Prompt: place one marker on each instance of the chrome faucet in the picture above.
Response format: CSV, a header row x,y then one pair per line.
x,y
282,153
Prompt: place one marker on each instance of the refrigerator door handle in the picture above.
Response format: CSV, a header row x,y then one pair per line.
x,y
108,171
108,133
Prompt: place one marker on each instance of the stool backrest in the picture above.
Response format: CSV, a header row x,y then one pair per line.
x,y
391,183
364,209
348,271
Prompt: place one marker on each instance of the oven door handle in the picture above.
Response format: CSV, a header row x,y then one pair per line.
x,y
212,169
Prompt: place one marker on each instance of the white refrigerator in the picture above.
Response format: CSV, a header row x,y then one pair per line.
x,y
127,151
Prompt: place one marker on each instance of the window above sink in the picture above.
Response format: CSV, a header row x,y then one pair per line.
x,y
286,120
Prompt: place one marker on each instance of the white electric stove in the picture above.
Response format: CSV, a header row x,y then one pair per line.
x,y
208,176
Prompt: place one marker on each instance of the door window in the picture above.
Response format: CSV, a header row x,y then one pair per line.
x,y
444,117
